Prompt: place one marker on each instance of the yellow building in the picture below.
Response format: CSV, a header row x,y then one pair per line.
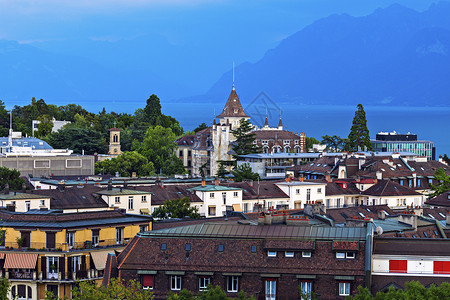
x,y
46,250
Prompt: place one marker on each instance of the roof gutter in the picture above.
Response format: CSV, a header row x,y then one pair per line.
x,y
368,255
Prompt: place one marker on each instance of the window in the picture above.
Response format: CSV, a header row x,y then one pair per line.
x,y
130,202
344,288
272,253
245,207
70,238
271,286
398,266
306,254
181,153
319,191
147,282
340,254
117,199
53,288
163,246
42,203
224,197
220,248
308,194
50,240
52,267
175,283
306,287
187,247
143,198
211,210
143,228
203,283
289,254
253,249
27,205
232,284
76,263
95,237
441,267
297,191
235,194
119,236
350,255
211,195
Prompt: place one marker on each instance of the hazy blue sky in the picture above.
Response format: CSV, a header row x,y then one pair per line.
x,y
211,33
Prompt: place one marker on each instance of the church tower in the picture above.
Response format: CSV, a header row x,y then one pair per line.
x,y
114,141
232,112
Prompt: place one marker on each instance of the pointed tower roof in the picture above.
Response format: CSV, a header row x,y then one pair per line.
x,y
280,124
266,123
233,107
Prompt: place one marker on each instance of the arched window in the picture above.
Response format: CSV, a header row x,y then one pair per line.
x,y
115,138
21,291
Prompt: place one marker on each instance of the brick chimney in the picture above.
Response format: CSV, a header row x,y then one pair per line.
x,y
328,177
109,185
381,215
408,218
216,181
203,181
379,175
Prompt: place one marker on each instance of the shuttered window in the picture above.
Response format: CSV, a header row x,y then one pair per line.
x,y
51,240
147,281
398,266
441,267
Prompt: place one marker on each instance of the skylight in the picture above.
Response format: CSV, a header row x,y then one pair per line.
x,y
368,210
442,215
431,216
386,213
383,170
361,214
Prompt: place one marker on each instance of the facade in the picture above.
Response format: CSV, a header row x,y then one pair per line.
x,y
392,141
114,142
57,125
217,199
47,250
301,193
250,258
184,151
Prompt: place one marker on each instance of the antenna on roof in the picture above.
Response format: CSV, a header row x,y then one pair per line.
x,y
10,130
233,75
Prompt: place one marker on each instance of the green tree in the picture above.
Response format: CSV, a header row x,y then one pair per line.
x,y
359,133
446,159
244,139
310,141
176,208
10,177
414,290
200,127
78,138
4,120
116,289
159,147
5,287
126,163
244,172
334,143
222,171
45,126
152,110
443,183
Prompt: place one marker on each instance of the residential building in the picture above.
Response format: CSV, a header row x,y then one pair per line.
x,y
218,199
301,193
395,142
57,125
47,250
184,151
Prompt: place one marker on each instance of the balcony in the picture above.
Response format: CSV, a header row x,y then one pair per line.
x,y
34,246
21,274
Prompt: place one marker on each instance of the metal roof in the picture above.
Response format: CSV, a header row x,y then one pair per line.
x,y
19,196
260,231
121,191
32,142
213,188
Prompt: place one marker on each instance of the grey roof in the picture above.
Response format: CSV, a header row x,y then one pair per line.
x,y
391,225
32,142
260,231
121,191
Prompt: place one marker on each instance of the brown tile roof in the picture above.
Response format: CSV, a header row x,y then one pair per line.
x,y
340,215
346,245
275,134
73,197
262,190
110,270
441,200
187,140
389,188
399,246
168,192
439,213
337,188
233,107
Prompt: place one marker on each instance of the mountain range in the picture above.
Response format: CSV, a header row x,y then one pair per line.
x,y
394,56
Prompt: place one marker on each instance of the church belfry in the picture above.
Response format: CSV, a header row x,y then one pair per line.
x,y
114,141
232,112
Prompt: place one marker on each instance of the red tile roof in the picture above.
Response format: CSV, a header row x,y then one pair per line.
x,y
233,107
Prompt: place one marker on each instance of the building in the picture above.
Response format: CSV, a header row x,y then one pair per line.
x,y
392,141
184,151
47,250
57,125
268,261
114,142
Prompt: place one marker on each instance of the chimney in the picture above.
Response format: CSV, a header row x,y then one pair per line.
x,y
125,184
61,185
250,182
408,218
6,189
109,185
328,177
379,175
447,220
381,215
301,178
203,181
24,187
216,181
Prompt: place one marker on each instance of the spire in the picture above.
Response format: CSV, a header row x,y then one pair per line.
x,y
233,76
266,123
233,107
280,125
214,121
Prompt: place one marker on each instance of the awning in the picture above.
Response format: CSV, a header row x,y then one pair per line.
x,y
2,255
20,261
144,211
237,207
99,258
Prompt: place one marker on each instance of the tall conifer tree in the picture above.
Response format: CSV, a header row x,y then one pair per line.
x,y
359,133
244,139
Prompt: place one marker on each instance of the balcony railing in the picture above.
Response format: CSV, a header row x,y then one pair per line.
x,y
34,246
21,274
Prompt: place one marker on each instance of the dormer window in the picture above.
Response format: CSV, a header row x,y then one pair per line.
x,y
235,110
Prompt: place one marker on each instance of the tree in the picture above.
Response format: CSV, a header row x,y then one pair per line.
x,y
45,126
333,142
211,293
244,172
116,289
446,159
244,139
4,120
309,142
152,110
5,287
159,147
413,290
126,163
176,208
200,127
443,183
359,133
221,172
10,177
78,139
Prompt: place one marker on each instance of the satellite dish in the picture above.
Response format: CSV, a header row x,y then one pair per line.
x,y
379,230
